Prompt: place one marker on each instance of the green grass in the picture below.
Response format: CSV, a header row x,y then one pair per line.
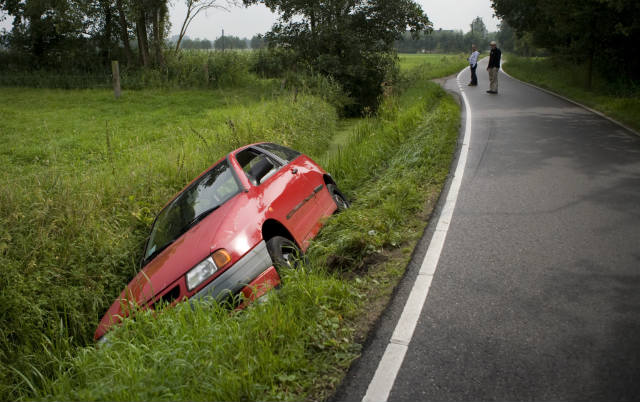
x,y
85,175
619,100
434,65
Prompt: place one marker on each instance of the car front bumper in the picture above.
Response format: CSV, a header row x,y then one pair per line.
x,y
239,275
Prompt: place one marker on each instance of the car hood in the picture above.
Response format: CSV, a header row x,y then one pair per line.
x,y
169,266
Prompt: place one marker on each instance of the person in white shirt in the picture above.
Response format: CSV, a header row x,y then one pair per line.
x,y
473,64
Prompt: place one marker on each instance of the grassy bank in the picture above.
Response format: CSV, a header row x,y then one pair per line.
x,y
619,100
87,173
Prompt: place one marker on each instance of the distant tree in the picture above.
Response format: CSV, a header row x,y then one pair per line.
x,y
257,42
479,28
478,34
350,41
229,42
195,7
440,41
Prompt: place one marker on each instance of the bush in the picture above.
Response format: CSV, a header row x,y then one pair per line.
x,y
273,63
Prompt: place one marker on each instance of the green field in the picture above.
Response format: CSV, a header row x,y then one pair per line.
x,y
619,100
437,65
85,174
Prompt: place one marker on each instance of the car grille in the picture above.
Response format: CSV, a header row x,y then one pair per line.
x,y
168,297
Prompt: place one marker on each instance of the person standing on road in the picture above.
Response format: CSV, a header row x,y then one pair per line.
x,y
493,68
473,64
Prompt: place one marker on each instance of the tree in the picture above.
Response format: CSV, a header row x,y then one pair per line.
x,y
599,31
124,31
83,33
521,44
257,42
478,27
45,28
151,17
350,40
478,34
194,7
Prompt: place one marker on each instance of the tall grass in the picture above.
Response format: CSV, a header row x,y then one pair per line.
x,y
298,343
85,175
618,98
208,353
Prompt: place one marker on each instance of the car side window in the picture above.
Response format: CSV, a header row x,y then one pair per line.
x,y
257,166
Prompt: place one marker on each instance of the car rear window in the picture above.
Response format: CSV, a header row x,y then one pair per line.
x,y
280,151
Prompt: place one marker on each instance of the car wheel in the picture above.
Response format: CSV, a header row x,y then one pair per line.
x,y
338,197
284,252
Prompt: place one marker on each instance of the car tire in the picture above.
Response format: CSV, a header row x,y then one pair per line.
x,y
284,253
341,201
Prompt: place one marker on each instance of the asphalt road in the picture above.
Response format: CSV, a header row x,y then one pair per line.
x,y
536,295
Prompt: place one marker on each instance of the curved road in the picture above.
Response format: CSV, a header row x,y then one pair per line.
x,y
536,294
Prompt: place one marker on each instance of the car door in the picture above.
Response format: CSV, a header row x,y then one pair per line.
x,y
282,191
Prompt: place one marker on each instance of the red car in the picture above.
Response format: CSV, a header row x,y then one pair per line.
x,y
254,210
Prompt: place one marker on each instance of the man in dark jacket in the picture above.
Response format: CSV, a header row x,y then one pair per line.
x,y
493,68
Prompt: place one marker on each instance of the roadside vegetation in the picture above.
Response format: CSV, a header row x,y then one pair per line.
x,y
619,99
85,174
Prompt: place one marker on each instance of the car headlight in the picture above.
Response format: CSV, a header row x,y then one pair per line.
x,y
205,269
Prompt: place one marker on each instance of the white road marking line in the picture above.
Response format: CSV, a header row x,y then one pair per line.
x,y
389,366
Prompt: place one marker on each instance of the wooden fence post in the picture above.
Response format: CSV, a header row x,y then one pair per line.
x,y
115,72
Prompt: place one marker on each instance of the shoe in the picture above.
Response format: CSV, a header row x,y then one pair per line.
x,y
492,92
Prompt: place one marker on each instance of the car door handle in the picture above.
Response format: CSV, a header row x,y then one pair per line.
x,y
294,170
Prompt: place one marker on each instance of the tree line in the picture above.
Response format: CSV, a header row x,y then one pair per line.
x,y
447,41
46,33
351,42
229,42
601,33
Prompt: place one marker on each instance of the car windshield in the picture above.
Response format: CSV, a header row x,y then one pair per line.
x,y
201,198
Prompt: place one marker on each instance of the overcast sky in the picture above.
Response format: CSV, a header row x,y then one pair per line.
x,y
246,22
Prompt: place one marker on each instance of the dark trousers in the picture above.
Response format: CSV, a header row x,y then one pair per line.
x,y
474,77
